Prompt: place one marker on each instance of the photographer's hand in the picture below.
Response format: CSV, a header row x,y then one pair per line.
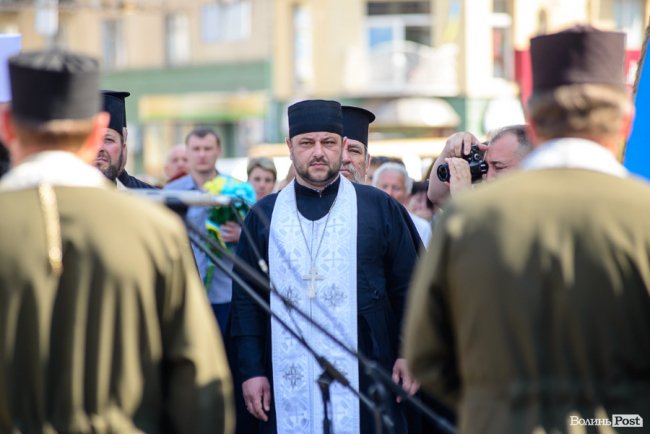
x,y
460,177
457,144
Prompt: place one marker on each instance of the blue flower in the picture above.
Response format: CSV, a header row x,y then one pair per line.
x,y
243,192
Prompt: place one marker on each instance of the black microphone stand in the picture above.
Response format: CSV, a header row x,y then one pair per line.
x,y
380,396
374,371
324,382
329,370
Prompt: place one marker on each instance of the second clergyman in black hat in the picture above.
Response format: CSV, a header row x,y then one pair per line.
x,y
356,122
111,158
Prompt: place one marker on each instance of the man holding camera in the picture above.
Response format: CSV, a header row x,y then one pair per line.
x,y
504,151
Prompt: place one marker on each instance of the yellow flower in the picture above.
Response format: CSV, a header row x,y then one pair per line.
x,y
216,185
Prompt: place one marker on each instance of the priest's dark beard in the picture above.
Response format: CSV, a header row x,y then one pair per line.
x,y
331,174
111,173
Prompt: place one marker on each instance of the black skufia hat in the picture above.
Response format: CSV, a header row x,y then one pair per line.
x,y
578,55
356,121
115,105
315,115
54,84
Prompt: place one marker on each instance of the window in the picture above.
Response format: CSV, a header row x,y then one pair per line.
x,y
113,48
624,15
398,21
177,39
226,20
47,17
399,7
502,49
62,37
400,53
629,16
303,50
500,6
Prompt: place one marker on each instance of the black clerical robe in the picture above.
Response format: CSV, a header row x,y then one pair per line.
x,y
386,255
132,182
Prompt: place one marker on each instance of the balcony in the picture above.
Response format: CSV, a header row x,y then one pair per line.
x,y
9,5
14,4
401,68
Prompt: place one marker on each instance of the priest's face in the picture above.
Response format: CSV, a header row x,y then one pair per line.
x,y
355,161
111,154
316,157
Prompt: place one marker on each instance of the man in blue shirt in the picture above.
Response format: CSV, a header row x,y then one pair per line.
x,y
203,151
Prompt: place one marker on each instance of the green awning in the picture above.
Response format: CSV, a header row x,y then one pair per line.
x,y
203,107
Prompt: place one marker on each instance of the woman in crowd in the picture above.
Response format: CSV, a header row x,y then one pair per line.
x,y
262,174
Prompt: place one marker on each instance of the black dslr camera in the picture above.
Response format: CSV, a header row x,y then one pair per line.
x,y
477,167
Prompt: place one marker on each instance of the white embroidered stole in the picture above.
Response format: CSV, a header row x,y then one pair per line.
x,y
298,402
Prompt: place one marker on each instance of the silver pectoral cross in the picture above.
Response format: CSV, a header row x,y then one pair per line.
x,y
313,277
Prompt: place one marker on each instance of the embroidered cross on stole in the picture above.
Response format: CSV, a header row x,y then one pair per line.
x,y
312,277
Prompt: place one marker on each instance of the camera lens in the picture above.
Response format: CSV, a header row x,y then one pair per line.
x,y
443,172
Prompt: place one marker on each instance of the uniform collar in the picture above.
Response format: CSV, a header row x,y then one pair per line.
x,y
574,153
57,168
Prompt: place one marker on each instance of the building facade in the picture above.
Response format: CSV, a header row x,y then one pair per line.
x,y
425,67
185,62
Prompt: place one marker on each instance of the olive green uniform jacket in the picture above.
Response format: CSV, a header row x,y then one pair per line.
x,y
532,303
123,340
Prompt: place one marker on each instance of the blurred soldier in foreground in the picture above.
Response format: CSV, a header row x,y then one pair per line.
x,y
105,326
531,310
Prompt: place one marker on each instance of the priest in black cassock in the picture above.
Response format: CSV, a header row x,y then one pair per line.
x,y
111,157
341,252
